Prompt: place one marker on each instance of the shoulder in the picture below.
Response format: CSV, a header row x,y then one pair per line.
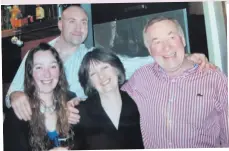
x,y
70,95
87,109
86,105
146,69
84,49
126,97
52,42
214,75
129,104
10,115
12,122
89,101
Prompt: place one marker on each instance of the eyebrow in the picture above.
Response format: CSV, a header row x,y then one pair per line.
x,y
85,19
170,33
154,39
41,63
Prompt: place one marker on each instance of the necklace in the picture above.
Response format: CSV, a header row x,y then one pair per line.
x,y
47,109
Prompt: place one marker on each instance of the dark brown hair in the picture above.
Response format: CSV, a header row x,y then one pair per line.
x,y
37,125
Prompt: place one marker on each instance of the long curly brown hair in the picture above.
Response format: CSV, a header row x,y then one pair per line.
x,y
37,124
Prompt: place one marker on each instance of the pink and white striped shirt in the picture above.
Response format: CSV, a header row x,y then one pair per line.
x,y
188,111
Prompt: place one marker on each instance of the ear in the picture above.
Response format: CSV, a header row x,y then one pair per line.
x,y
60,24
149,50
183,40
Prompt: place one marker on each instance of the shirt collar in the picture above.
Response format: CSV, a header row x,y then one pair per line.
x,y
184,75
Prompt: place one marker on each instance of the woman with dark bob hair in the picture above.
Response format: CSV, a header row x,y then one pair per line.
x,y
109,117
46,86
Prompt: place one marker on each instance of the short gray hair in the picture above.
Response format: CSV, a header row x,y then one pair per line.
x,y
158,19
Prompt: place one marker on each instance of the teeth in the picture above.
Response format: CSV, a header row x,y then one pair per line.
x,y
46,81
105,82
171,55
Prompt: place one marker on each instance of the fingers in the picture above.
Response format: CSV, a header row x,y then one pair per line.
x,y
70,103
212,66
28,108
73,102
26,111
201,65
21,112
16,111
76,102
73,118
73,115
21,106
73,110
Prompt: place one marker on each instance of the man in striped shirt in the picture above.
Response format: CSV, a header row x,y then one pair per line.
x,y
179,106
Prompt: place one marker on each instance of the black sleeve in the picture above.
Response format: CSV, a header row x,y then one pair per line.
x,y
138,138
70,95
15,133
134,117
80,128
79,137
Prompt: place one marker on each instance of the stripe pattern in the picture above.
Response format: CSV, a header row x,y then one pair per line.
x,y
188,111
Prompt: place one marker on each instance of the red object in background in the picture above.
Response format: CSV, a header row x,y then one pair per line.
x,y
31,19
25,21
30,44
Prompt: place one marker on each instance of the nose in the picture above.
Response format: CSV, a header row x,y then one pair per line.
x,y
101,76
166,45
47,73
77,26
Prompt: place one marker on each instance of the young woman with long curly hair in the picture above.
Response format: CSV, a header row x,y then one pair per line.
x,y
46,86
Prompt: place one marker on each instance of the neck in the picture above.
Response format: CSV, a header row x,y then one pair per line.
x,y
111,98
47,98
67,46
65,49
186,64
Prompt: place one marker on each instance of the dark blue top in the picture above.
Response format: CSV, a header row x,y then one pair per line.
x,y
53,136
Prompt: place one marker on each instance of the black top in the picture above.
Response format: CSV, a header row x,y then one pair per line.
x,y
16,132
96,131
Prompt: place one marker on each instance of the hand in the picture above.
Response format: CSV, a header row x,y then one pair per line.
x,y
59,148
202,60
20,105
73,113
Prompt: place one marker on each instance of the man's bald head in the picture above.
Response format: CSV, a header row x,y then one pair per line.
x,y
71,9
74,25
